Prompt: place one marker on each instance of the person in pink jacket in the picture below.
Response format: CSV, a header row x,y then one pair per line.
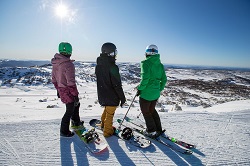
x,y
63,78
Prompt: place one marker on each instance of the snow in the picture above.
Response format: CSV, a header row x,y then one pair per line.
x,y
230,106
30,131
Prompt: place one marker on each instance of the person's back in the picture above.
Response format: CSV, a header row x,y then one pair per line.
x,y
63,78
108,80
63,74
109,86
153,80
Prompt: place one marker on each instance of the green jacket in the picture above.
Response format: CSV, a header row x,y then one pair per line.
x,y
153,78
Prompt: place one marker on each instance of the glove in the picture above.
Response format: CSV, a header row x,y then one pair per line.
x,y
76,101
138,93
122,102
58,94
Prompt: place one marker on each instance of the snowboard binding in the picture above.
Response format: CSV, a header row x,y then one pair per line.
x,y
90,136
127,133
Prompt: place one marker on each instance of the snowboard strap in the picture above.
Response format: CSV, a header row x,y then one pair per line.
x,y
127,133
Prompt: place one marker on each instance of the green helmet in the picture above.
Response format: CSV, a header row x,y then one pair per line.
x,y
65,48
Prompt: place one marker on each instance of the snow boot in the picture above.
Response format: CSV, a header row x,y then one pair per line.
x,y
77,125
69,134
115,131
150,134
161,133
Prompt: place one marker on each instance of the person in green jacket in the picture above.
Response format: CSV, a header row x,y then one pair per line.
x,y
153,81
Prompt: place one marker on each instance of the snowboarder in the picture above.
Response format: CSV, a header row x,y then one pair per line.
x,y
109,86
63,78
153,81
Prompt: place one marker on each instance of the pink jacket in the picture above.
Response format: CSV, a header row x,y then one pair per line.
x,y
63,78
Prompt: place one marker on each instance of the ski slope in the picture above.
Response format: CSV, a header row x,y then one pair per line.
x,y
30,132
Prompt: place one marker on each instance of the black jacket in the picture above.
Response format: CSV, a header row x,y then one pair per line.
x,y
109,86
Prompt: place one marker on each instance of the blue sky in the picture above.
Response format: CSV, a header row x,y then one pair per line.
x,y
193,32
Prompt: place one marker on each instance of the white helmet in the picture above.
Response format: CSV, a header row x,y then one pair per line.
x,y
151,50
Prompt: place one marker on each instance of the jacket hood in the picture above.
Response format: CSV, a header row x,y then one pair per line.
x,y
104,59
58,59
154,58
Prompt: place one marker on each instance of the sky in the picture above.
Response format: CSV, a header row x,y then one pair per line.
x,y
191,32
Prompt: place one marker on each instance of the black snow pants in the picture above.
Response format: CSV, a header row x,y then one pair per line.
x,y
150,115
72,112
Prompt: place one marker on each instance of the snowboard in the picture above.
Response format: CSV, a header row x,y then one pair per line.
x,y
93,141
137,140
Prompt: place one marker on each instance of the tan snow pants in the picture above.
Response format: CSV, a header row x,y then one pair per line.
x,y
107,120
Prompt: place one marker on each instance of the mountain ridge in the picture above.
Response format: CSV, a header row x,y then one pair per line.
x,y
194,87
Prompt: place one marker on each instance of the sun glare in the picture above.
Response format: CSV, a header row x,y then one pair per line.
x,y
64,11
61,10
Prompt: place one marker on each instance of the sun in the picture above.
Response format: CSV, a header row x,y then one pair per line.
x,y
61,10
64,11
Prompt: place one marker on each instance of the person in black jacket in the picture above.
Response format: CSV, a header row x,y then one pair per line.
x,y
109,86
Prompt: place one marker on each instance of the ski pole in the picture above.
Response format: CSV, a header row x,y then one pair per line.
x,y
139,115
127,112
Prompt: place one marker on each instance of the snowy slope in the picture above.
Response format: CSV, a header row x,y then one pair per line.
x,y
30,131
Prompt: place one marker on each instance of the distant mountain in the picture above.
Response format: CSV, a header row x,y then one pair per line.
x,y
18,63
186,86
197,67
